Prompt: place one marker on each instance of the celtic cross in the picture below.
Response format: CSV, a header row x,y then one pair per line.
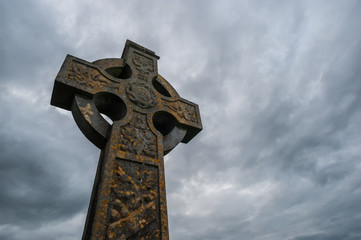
x,y
149,119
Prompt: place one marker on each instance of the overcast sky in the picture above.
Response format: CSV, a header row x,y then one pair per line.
x,y
278,84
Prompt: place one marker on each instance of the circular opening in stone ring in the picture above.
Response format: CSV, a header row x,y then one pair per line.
x,y
120,72
110,105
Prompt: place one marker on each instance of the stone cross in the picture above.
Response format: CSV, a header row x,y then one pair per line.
x,y
149,119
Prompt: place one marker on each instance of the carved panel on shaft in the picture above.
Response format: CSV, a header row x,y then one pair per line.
x,y
136,137
134,208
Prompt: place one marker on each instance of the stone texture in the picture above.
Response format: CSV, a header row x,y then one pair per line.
x,y
149,119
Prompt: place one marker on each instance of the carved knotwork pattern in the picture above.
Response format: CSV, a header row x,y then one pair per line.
x,y
136,137
141,94
134,208
185,111
87,76
143,65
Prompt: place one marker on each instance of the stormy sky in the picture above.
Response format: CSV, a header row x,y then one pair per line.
x,y
278,84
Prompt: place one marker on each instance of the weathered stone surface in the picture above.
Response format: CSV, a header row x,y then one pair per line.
x,y
149,119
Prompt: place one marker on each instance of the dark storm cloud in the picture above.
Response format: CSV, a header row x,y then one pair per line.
x,y
302,117
37,177
29,44
36,186
278,88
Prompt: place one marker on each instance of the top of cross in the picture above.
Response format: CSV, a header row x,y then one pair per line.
x,y
119,87
130,44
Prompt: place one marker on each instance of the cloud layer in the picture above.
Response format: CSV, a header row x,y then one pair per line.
x,y
278,85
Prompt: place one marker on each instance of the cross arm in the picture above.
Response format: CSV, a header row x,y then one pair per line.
x,y
185,112
79,77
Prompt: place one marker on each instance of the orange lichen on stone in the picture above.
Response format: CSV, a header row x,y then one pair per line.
x,y
87,111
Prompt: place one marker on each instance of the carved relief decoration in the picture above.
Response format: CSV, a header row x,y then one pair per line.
x,y
88,77
136,137
134,207
141,94
143,65
183,110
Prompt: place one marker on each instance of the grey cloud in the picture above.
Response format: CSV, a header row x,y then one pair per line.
x,y
36,173
278,88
